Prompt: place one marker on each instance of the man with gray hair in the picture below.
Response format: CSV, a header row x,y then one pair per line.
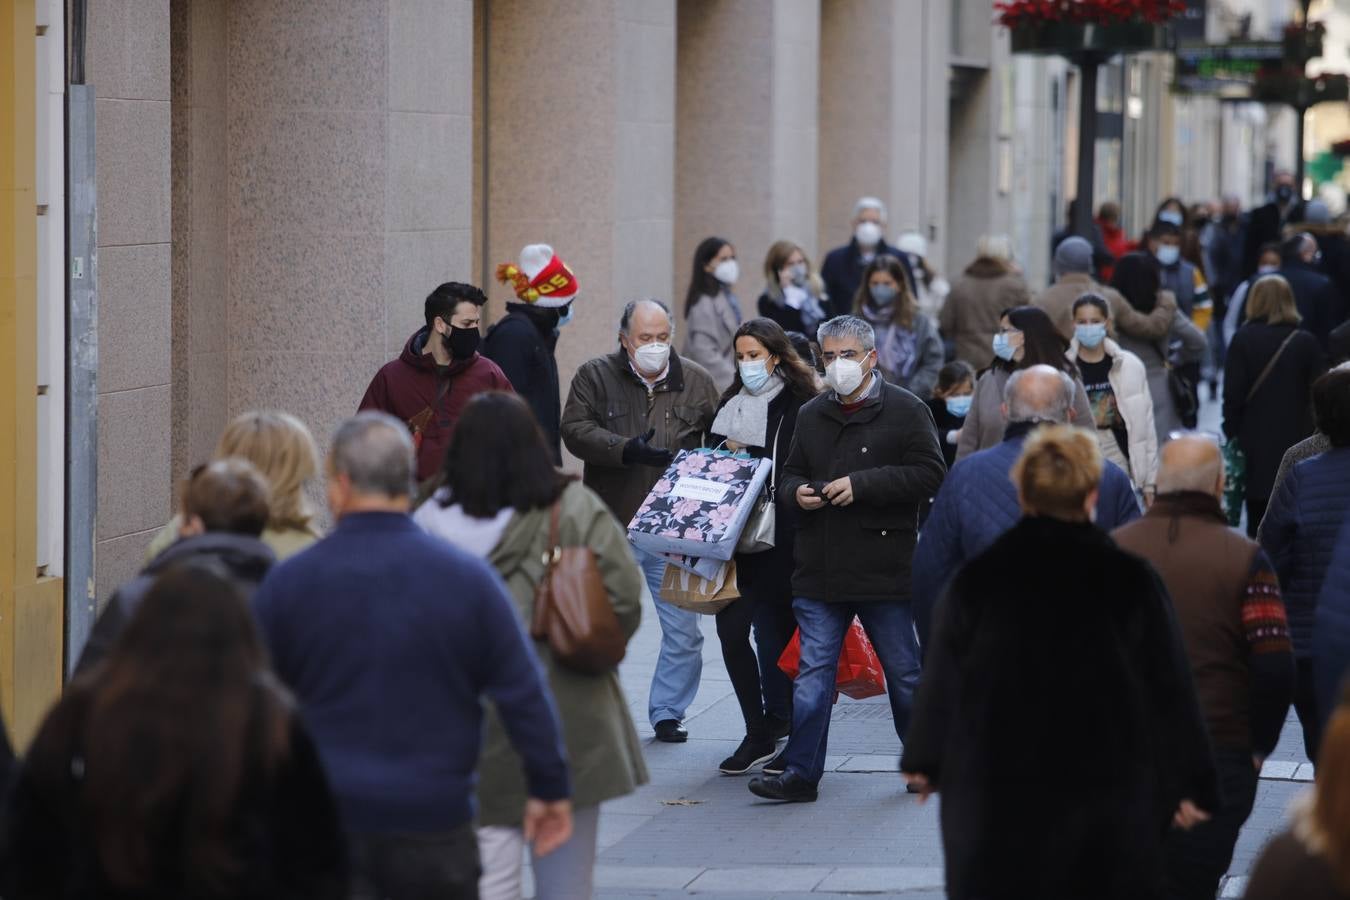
x,y
626,414
978,501
864,458
843,266
391,639
1227,600
1073,279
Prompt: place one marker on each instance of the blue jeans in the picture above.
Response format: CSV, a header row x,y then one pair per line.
x,y
823,625
680,662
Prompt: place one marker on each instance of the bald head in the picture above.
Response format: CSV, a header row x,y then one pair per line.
x,y
1191,463
1038,393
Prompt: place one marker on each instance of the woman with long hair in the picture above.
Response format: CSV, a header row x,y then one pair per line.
x,y
758,415
1103,686
500,493
711,310
1138,278
283,450
1267,387
1026,337
909,348
1117,388
1311,861
176,767
794,295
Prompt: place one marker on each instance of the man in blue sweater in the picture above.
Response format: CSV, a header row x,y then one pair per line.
x,y
390,639
978,502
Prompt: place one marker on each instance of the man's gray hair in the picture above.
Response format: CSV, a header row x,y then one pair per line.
x,y
844,327
1028,399
626,318
870,203
375,451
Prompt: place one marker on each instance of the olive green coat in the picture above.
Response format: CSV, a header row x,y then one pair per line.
x,y
603,752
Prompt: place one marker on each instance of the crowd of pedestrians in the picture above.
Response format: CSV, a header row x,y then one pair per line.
x,y
1001,489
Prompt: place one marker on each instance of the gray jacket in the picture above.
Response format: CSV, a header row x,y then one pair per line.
x,y
928,348
710,331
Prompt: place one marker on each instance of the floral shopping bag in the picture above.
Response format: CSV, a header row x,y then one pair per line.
x,y
700,505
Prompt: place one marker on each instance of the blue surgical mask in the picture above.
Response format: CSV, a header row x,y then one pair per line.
x,y
1168,254
1090,335
754,374
959,406
1003,347
882,294
1267,270
566,316
1172,217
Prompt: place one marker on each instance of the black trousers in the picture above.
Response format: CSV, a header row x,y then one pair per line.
x,y
1305,705
1256,511
1197,859
441,866
755,677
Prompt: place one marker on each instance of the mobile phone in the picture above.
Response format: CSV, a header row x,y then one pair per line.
x,y
818,488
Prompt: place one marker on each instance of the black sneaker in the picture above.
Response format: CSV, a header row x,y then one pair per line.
x,y
776,766
778,728
789,788
748,755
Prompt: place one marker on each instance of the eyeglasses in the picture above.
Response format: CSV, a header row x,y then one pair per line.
x,y
844,354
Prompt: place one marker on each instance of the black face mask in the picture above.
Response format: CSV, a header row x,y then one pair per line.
x,y
1284,193
462,342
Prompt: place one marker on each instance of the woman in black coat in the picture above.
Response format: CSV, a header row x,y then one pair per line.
x,y
175,768
758,415
1056,713
1268,415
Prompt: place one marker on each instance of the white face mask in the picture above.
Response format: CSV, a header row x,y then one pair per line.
x,y
868,234
727,271
651,359
1266,270
844,375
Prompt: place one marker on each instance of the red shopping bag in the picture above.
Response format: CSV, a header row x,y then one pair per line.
x,y
859,674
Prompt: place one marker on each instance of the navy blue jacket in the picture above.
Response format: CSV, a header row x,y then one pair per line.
x,y
1331,641
1299,535
389,638
978,503
842,273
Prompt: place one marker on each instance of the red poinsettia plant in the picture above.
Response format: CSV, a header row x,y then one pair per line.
x,y
1015,13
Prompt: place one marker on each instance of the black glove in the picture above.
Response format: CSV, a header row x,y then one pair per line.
x,y
638,452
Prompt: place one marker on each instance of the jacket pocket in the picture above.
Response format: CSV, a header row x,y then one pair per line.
x,y
684,425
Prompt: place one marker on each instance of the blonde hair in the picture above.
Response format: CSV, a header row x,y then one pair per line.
x,y
774,261
1272,299
995,246
1059,467
283,450
1331,806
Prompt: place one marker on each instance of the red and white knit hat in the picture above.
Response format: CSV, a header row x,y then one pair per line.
x,y
542,279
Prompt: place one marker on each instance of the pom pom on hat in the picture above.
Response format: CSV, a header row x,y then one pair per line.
x,y
542,279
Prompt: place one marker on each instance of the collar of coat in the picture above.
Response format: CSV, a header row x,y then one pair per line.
x,y
1187,503
870,408
674,380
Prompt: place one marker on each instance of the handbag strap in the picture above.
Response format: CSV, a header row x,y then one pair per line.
x,y
1270,366
773,470
554,549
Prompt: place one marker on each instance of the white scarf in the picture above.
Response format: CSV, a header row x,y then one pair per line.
x,y
745,417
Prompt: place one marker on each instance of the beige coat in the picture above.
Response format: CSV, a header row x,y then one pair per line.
x,y
1057,301
977,300
1129,381
710,332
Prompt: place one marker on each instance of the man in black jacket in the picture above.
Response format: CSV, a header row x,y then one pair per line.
x,y
1316,297
843,266
524,341
225,508
865,456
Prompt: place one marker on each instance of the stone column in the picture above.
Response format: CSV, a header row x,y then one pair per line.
x,y
128,66
746,135
883,120
579,149
347,189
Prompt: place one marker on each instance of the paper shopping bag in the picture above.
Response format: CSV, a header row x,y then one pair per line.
x,y
682,588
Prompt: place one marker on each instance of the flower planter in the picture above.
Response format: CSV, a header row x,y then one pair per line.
x,y
1073,39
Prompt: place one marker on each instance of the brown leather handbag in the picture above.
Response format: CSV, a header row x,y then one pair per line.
x,y
572,609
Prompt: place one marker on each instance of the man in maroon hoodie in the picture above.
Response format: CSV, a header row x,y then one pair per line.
x,y
436,374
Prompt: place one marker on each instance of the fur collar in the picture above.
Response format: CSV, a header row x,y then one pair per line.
x,y
987,267
1303,824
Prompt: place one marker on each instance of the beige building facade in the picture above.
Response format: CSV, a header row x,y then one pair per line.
x,y
282,183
